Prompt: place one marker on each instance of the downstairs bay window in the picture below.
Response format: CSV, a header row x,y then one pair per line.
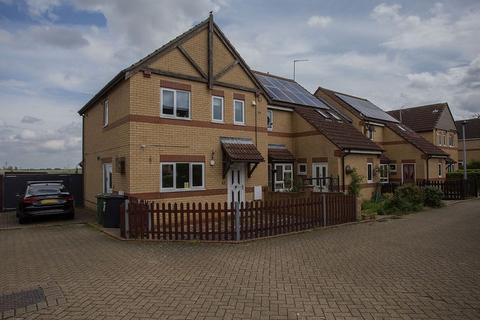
x,y
182,176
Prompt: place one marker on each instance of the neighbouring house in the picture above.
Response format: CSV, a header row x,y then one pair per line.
x,y
408,156
309,140
188,121
472,140
435,123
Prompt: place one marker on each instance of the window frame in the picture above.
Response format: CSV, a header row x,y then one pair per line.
x,y
300,172
190,177
370,133
370,172
387,178
223,109
451,140
440,169
105,113
242,123
390,167
335,116
269,123
275,181
174,115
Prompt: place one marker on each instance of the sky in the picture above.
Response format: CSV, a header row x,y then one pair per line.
x,y
56,54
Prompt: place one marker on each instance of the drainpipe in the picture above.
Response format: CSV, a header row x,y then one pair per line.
x,y
256,131
428,170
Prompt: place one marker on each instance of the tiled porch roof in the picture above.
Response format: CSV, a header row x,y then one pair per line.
x,y
241,150
279,153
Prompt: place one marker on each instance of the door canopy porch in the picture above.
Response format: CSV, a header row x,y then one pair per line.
x,y
240,150
278,153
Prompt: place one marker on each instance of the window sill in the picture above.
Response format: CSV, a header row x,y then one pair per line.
x,y
239,123
174,118
218,121
181,190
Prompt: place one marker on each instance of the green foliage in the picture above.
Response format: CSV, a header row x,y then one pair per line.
x,y
433,197
474,164
472,174
354,187
407,198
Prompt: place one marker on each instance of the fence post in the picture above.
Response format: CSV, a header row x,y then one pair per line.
x,y
149,217
324,204
127,222
237,221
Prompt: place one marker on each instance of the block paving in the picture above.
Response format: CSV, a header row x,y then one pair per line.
x,y
422,266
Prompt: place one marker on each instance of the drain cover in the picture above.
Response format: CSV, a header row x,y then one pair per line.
x,y
21,299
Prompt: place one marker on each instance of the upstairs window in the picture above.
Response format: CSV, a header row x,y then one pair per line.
x,y
439,139
217,109
238,112
370,132
444,139
451,139
105,113
270,120
175,103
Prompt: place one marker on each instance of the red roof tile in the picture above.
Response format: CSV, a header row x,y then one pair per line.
x,y
342,134
422,118
241,150
279,153
416,140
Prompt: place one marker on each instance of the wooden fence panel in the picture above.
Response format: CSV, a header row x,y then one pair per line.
x,y
216,222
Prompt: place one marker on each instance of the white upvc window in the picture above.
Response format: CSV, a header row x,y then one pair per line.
x,y
217,109
370,132
269,120
451,139
369,172
239,112
444,139
182,176
383,173
439,139
392,167
302,169
283,176
105,113
175,103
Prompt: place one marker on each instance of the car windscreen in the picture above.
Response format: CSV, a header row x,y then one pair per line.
x,y
40,189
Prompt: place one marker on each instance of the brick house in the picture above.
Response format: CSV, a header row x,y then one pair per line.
x,y
472,140
185,122
308,138
408,156
435,123
192,122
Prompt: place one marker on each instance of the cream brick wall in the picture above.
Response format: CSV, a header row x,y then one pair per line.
x,y
109,142
473,150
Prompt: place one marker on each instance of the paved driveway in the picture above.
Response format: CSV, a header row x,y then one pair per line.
x,y
423,266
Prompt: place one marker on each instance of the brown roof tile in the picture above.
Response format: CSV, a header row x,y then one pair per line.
x,y
472,128
422,118
279,153
241,150
416,140
342,134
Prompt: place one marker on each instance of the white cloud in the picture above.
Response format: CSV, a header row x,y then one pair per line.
x,y
319,21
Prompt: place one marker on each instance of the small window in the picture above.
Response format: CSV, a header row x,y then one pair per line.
x,y
120,165
335,116
369,172
182,176
370,132
392,168
451,139
323,113
238,112
105,113
384,173
217,109
175,103
440,168
270,120
302,169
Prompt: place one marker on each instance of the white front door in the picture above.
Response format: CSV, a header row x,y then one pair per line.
x,y
319,171
107,178
236,183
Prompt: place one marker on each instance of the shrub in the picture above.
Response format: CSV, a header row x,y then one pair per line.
x,y
354,187
474,164
473,174
405,199
433,197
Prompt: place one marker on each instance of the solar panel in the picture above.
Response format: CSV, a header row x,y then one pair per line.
x,y
367,108
289,91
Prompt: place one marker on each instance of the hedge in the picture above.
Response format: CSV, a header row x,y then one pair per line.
x,y
472,174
